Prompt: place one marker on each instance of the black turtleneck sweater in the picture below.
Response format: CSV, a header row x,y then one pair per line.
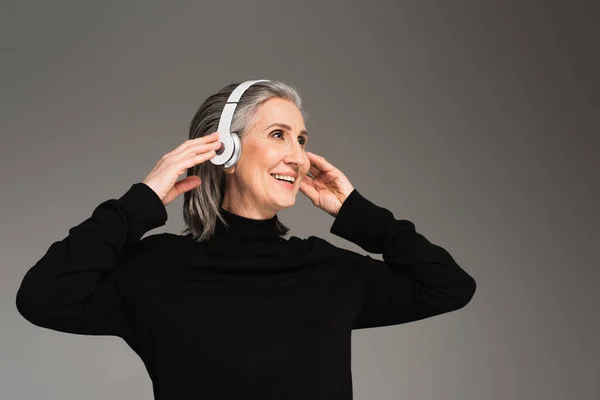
x,y
248,314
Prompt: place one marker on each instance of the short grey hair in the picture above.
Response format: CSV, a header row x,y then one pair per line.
x,y
201,204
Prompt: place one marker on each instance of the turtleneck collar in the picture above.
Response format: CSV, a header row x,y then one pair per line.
x,y
245,230
249,245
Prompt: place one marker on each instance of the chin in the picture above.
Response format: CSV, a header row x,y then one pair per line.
x,y
282,206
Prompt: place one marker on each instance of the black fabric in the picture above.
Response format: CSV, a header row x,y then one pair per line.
x,y
248,314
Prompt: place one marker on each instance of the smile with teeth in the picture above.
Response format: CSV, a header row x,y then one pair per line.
x,y
280,179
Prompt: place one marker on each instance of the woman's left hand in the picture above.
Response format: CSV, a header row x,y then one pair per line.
x,y
329,188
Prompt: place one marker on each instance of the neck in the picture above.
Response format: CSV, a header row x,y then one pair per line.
x,y
249,213
240,228
247,209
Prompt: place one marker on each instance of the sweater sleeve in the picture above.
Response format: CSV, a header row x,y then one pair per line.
x,y
416,280
72,287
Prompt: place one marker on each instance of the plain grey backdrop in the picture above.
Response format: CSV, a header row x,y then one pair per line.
x,y
476,120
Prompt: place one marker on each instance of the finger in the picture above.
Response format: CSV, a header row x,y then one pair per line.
x,y
194,159
213,137
320,162
196,149
314,171
308,189
206,139
187,184
308,179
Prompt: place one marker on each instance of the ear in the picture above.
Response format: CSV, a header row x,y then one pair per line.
x,y
229,171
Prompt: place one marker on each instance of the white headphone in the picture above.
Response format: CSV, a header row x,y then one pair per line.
x,y
231,150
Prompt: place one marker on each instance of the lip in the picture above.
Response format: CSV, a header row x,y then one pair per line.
x,y
295,175
288,185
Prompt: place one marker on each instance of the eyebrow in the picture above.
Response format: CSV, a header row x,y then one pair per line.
x,y
285,126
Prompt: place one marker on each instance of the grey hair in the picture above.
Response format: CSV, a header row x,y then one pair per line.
x,y
201,204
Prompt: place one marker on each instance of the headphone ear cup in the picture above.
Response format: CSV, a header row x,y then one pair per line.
x,y
237,151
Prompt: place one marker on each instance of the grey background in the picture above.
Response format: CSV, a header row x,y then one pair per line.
x,y
476,120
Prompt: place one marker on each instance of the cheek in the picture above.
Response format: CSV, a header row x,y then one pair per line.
x,y
269,158
306,163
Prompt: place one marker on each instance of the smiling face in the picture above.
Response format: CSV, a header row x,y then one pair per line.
x,y
275,143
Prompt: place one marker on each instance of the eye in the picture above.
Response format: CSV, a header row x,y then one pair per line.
x,y
301,137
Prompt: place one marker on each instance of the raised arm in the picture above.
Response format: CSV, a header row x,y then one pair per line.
x,y
416,280
72,287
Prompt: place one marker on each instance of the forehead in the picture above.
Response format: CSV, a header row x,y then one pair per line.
x,y
279,110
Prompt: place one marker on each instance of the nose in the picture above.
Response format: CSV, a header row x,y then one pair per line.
x,y
295,155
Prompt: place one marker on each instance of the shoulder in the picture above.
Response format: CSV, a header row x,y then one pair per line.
x,y
311,242
322,247
152,248
350,258
150,260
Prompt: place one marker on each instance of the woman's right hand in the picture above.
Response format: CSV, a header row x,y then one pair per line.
x,y
163,178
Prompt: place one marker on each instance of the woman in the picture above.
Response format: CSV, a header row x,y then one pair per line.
x,y
230,309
